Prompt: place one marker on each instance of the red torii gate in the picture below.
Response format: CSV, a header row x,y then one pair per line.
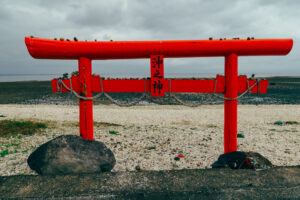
x,y
230,85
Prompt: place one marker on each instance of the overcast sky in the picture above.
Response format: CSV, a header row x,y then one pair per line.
x,y
147,20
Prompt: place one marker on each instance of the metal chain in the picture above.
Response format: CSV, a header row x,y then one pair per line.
x,y
236,98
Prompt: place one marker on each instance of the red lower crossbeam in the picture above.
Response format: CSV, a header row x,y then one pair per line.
x,y
177,85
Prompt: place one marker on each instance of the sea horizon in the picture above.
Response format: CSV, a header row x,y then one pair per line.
x,y
49,77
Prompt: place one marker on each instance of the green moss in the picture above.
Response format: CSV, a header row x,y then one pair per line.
x,y
105,124
286,123
292,122
278,123
6,152
113,132
211,126
284,130
13,128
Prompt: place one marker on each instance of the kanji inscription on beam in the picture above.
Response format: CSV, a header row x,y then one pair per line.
x,y
157,75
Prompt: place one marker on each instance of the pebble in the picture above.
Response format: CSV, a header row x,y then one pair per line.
x,y
196,151
151,148
137,168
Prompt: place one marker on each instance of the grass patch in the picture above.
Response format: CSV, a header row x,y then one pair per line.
x,y
113,132
284,130
292,122
13,128
211,126
10,144
105,124
280,123
96,124
6,152
14,136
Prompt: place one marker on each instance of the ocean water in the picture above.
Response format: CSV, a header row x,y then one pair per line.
x,y
27,77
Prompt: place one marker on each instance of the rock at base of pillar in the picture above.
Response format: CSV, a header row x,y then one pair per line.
x,y
70,154
242,160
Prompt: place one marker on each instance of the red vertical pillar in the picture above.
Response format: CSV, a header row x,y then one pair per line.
x,y
230,106
85,106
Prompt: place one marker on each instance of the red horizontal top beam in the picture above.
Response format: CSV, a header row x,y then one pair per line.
x,y
56,49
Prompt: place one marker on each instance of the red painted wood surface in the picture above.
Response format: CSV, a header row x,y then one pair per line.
x,y
177,85
85,106
56,49
230,106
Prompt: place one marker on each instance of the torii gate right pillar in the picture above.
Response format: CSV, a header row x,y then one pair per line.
x,y
230,104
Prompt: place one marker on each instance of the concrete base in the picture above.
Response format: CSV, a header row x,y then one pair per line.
x,y
275,183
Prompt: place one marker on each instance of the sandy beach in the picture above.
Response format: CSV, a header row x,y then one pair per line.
x,y
152,136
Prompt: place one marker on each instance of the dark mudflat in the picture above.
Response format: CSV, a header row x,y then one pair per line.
x,y
274,183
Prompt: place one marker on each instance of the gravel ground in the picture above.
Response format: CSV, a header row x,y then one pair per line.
x,y
152,136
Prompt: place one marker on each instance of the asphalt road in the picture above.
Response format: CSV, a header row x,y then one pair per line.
x,y
275,183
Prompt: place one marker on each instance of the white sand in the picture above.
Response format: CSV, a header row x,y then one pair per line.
x,y
196,133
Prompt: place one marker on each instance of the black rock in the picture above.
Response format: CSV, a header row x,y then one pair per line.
x,y
70,154
242,160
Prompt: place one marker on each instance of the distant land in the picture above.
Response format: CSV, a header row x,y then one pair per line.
x,y
281,90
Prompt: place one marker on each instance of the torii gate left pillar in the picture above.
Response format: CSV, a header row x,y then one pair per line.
x,y
230,103
85,106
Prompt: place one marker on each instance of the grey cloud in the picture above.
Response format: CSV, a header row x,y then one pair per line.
x,y
101,14
147,20
5,14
